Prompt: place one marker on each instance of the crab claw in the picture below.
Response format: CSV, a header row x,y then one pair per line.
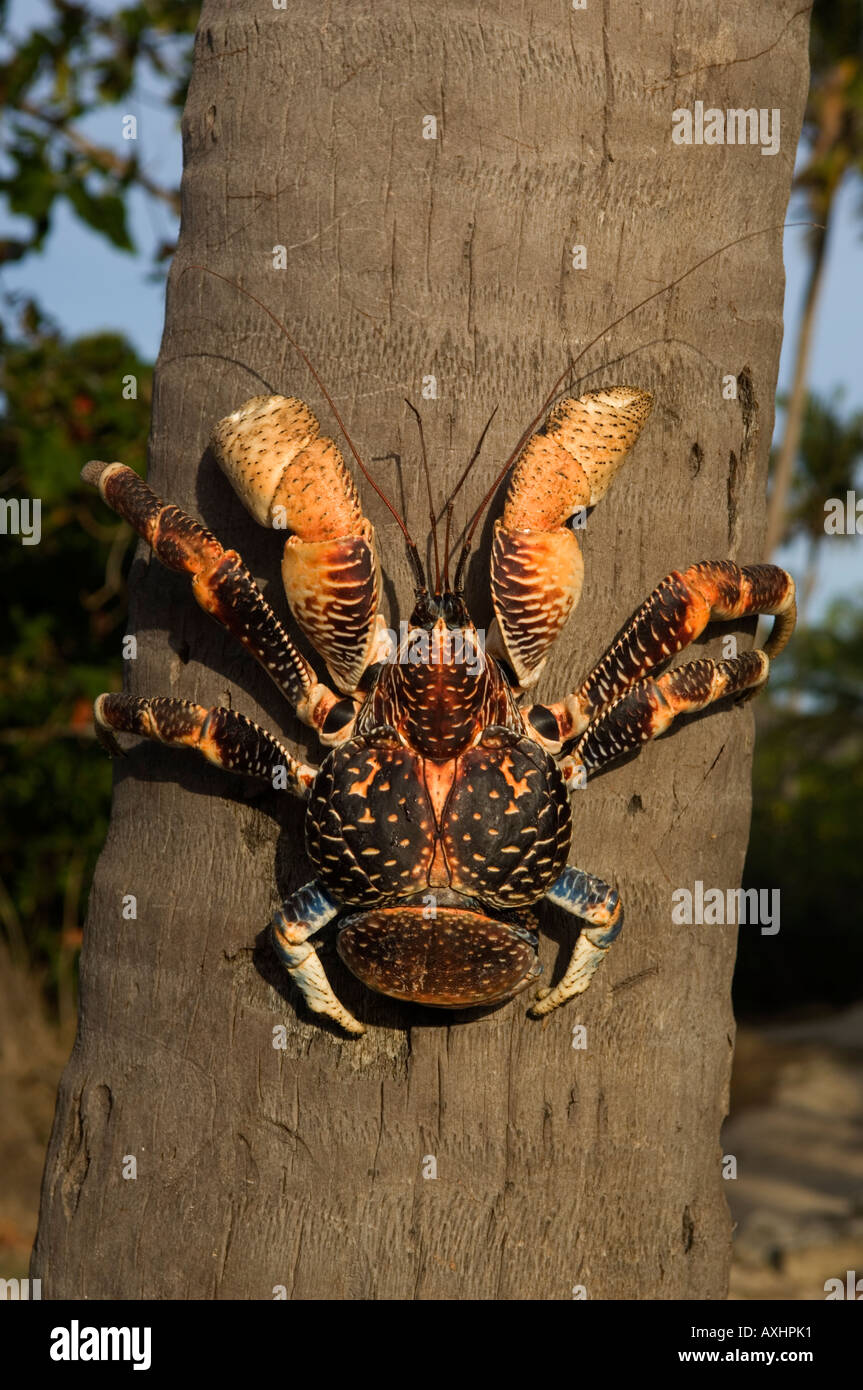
x,y
536,564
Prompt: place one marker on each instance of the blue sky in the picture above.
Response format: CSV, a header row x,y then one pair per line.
x,y
87,285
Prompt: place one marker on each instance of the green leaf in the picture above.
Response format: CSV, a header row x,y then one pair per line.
x,y
104,212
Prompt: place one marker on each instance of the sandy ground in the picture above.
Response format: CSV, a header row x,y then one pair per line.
x,y
796,1132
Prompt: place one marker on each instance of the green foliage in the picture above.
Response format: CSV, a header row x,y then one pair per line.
x,y
833,120
77,62
836,33
828,464
808,791
65,602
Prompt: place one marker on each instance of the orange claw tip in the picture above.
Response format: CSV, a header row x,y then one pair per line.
x,y
547,485
315,497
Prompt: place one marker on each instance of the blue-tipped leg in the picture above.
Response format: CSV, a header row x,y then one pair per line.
x,y
591,899
304,913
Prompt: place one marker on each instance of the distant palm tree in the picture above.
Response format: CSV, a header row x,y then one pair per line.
x,y
833,125
828,463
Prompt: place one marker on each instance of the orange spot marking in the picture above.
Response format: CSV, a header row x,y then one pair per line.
x,y
360,788
519,785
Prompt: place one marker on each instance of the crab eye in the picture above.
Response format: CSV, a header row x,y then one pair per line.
x,y
422,615
542,719
341,714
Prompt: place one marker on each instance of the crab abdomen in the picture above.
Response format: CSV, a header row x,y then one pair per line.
x,y
445,957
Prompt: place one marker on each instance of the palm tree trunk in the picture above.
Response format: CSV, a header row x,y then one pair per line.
x,y
297,1161
807,588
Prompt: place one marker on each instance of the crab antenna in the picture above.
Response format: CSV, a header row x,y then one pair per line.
x,y
473,458
449,506
457,489
412,407
574,361
413,553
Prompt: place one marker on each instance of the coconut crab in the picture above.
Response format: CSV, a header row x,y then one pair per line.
x,y
439,818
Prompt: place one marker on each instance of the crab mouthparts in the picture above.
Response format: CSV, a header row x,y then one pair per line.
x,y
453,960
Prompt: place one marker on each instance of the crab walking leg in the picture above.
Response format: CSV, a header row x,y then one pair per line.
x,y
222,585
225,737
647,710
304,913
675,614
587,897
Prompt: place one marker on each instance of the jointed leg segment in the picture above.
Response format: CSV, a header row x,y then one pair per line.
x,y
587,897
616,710
222,585
224,736
304,913
675,614
648,708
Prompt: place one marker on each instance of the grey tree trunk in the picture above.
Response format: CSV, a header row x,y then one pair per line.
x,y
558,1168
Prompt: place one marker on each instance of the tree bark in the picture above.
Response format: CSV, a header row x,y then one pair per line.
x,y
559,1168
